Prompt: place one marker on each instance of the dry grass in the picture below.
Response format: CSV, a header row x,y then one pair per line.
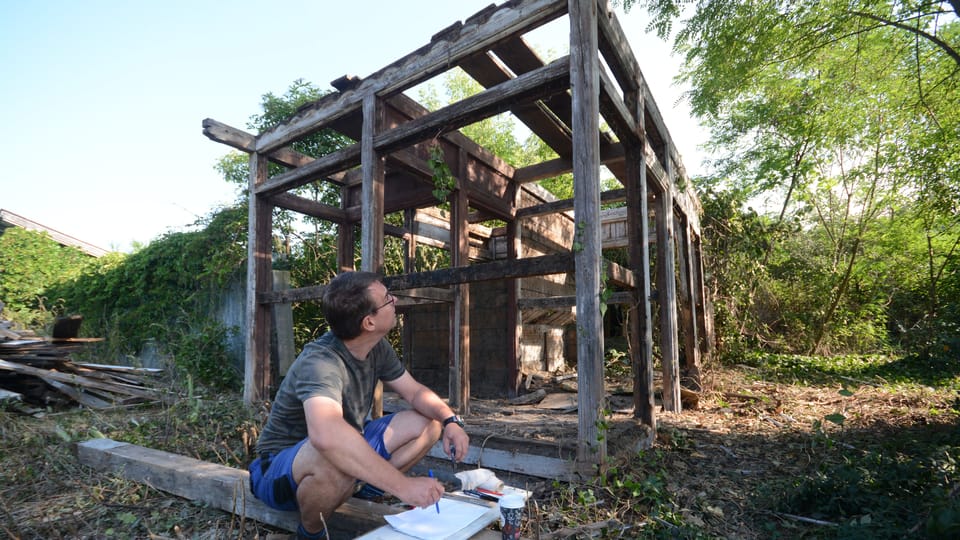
x,y
724,470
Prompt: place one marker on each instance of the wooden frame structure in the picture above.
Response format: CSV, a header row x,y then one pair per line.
x,y
563,102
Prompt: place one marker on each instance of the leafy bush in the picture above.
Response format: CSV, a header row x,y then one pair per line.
x,y
29,263
164,292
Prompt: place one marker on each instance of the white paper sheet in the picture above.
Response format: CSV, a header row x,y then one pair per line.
x,y
427,524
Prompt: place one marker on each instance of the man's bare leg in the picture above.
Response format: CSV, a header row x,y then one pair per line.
x,y
321,490
409,437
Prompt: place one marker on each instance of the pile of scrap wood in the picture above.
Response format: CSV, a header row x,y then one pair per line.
x,y
40,371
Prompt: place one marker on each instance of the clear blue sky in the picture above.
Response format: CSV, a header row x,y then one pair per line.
x,y
101,101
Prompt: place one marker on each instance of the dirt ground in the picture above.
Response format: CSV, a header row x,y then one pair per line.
x,y
743,435
718,459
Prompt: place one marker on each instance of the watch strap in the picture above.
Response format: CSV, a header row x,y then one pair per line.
x,y
453,420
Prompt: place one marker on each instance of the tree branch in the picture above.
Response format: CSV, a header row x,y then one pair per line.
x,y
929,37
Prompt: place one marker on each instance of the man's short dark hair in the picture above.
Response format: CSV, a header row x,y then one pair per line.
x,y
346,302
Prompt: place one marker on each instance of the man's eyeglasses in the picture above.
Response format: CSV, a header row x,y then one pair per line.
x,y
390,300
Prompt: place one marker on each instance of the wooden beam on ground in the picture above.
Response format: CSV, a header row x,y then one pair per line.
x,y
218,486
538,458
78,380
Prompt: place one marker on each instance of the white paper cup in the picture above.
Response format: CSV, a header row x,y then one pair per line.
x,y
511,515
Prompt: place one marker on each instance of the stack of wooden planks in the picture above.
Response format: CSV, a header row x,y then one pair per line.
x,y
40,371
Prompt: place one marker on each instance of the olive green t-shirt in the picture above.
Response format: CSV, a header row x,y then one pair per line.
x,y
326,368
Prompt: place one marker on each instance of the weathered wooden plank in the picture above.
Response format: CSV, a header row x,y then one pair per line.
x,y
82,398
531,266
556,302
615,48
640,318
346,245
371,229
460,256
218,486
70,378
333,162
489,72
667,298
7,395
609,155
257,369
607,197
245,142
541,465
688,306
584,83
615,112
478,34
530,86
618,275
309,207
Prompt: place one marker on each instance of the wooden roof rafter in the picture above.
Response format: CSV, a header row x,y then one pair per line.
x,y
476,35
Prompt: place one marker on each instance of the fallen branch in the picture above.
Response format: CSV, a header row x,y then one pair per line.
x,y
808,520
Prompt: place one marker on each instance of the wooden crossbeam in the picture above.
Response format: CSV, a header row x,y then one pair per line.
x,y
531,266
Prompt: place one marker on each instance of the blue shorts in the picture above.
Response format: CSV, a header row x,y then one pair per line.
x,y
271,474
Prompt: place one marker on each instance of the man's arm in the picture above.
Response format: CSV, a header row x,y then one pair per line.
x,y
429,404
346,449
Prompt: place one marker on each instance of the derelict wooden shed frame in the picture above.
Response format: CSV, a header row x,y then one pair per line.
x,y
386,171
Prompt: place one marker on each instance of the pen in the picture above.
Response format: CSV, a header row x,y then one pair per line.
x,y
480,495
437,504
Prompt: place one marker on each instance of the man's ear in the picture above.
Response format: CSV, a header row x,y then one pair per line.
x,y
367,323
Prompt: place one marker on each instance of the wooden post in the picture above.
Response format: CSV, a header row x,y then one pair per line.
x,y
371,217
585,87
667,292
373,168
705,307
346,239
638,236
514,317
257,379
688,307
409,266
460,256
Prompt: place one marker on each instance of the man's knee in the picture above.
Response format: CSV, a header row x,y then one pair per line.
x,y
411,425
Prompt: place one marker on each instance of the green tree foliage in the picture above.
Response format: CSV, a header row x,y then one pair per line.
x,y
30,262
842,119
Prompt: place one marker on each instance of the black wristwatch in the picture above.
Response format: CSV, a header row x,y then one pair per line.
x,y
453,420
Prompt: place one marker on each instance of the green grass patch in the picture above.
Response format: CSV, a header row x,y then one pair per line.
x,y
882,370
